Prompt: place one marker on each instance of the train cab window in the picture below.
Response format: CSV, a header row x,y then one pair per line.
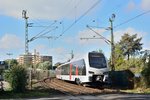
x,y
97,60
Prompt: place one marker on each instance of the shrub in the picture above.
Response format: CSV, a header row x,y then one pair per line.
x,y
146,74
17,77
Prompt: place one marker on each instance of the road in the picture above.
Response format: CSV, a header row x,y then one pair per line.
x,y
100,97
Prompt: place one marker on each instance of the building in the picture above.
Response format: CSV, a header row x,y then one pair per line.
x,y
25,59
33,58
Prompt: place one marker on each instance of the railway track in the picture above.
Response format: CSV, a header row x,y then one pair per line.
x,y
69,88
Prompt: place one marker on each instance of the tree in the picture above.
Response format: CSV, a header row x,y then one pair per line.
x,y
119,58
130,45
11,62
146,70
17,77
45,65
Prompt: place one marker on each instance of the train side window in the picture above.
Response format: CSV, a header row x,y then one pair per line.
x,y
73,69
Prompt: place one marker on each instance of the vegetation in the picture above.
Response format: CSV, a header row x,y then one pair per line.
x,y
17,77
128,55
146,71
11,62
130,45
30,94
45,65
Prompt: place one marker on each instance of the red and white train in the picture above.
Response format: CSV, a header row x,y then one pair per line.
x,y
93,68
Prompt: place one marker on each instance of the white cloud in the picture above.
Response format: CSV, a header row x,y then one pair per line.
x,y
10,41
46,9
131,5
145,4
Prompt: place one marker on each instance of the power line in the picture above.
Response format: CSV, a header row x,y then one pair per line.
x,y
45,29
132,19
99,34
93,6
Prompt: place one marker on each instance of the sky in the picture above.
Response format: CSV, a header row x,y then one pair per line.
x,y
65,22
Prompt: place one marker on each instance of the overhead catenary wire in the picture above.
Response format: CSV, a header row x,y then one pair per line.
x,y
129,20
45,29
88,10
42,35
102,37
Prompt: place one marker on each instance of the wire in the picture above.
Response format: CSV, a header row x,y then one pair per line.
x,y
106,40
132,19
47,32
45,29
93,6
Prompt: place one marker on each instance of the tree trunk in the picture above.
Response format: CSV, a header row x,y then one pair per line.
x,y
128,56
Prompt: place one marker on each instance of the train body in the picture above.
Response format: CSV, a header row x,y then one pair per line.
x,y
92,68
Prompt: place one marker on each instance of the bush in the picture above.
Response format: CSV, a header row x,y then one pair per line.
x,y
17,77
146,76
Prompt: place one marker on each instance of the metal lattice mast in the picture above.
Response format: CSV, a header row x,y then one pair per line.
x,y
24,12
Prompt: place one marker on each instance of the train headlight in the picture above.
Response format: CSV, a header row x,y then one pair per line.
x,y
98,78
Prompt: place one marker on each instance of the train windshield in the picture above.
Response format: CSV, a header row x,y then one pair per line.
x,y
97,60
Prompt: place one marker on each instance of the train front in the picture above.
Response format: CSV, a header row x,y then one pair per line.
x,y
98,67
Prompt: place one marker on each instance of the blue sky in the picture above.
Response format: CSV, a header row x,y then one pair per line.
x,y
66,12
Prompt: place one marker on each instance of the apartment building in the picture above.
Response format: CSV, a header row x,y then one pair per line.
x,y
34,58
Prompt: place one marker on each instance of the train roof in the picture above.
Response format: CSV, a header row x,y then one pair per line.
x,y
77,58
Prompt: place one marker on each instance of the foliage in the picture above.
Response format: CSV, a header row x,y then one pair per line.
x,y
119,58
45,65
11,62
130,45
146,73
135,63
17,77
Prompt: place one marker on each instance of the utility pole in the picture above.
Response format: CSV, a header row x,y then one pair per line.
x,y
9,54
24,15
112,41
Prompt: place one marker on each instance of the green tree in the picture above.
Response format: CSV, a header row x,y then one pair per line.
x,y
130,45
11,62
146,70
17,77
119,58
45,65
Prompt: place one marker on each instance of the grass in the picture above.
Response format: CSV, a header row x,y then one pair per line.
x,y
29,94
37,92
138,90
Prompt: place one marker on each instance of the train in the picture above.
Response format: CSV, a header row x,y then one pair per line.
x,y
93,68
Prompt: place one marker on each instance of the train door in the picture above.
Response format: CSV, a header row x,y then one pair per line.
x,y
70,72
